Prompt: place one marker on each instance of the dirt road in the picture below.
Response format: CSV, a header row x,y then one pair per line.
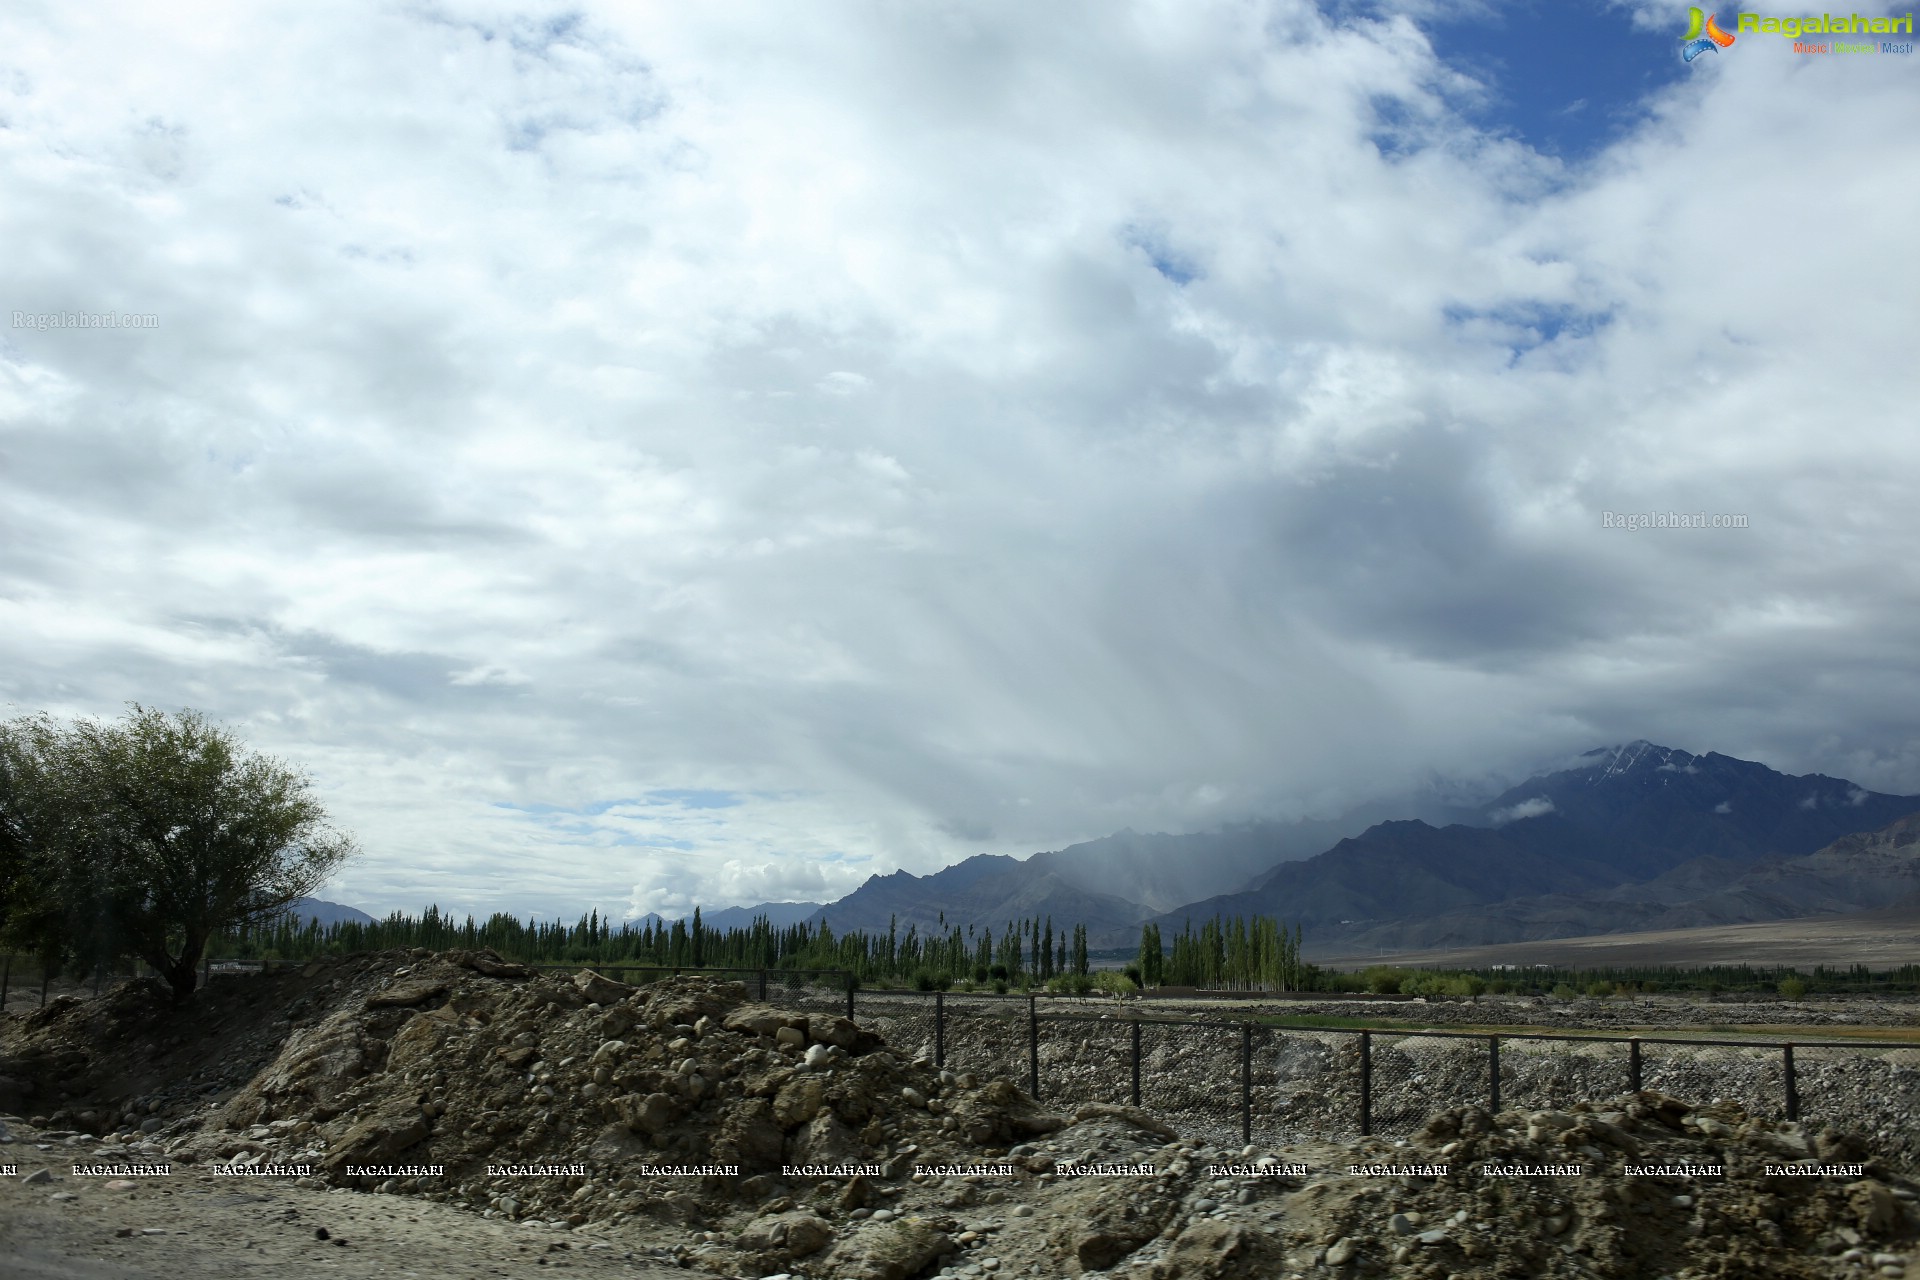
x,y
192,1223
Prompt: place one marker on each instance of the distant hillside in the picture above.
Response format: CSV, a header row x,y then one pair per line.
x,y
1163,871
985,891
778,914
326,913
1863,872
1619,816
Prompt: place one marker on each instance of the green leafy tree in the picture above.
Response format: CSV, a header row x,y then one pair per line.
x,y
31,825
1152,962
151,835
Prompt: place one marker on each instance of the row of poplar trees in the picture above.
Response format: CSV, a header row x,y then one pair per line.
x,y
1248,955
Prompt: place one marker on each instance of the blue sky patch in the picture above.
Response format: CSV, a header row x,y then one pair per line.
x,y
1567,80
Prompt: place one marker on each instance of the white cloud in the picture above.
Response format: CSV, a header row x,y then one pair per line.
x,y
1725,806
1537,807
930,422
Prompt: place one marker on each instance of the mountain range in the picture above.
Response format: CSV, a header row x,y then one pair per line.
x,y
1619,838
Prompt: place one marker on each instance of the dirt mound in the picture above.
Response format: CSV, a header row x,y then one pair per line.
x,y
685,1120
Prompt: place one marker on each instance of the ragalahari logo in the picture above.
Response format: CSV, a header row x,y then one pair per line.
x,y
1703,33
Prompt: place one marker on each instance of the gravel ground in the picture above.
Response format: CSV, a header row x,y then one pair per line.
x,y
453,1114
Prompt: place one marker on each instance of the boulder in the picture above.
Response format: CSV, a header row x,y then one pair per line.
x,y
489,964
1207,1250
411,991
755,1019
649,1114
796,1234
380,1137
1099,1226
1132,1115
825,1141
750,1137
886,1251
599,989
416,1042
798,1102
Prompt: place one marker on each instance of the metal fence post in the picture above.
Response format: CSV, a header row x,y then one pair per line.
x,y
1493,1074
1135,1024
1633,1065
1793,1085
763,986
1366,1084
1246,1082
206,970
850,982
939,1028
1033,1047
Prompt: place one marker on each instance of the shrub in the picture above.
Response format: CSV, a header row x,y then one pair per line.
x,y
1599,990
1793,987
1563,991
1385,982
1132,974
1114,984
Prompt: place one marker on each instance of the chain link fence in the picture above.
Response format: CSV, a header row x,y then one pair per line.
x,y
1247,1081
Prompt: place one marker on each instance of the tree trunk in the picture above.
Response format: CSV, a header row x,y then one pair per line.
x,y
182,974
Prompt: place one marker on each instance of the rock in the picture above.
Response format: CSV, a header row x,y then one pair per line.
x,y
825,1141
913,1097
1403,1224
842,1032
647,1115
1132,1115
795,1234
893,1251
1341,1252
790,1037
489,963
402,994
749,1136
1210,1249
818,1057
601,990
1099,1225
798,1102
1000,1114
416,1042
757,1019
1874,1208
380,1137
1433,1237
615,1145
39,1177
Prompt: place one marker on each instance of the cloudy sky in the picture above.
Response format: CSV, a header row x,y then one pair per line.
x,y
635,455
